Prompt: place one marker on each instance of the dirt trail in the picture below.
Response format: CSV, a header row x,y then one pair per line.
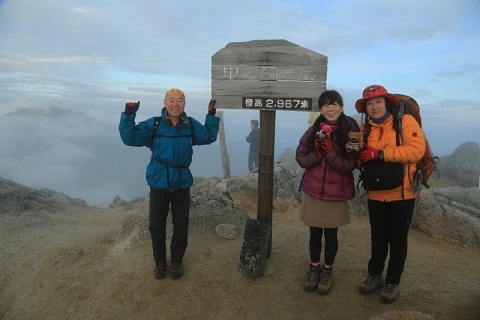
x,y
61,266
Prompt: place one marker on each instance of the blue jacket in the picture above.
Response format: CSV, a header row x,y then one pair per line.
x,y
171,147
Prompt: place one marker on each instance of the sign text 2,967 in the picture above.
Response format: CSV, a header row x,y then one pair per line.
x,y
299,104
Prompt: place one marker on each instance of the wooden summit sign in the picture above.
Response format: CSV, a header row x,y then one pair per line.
x,y
268,75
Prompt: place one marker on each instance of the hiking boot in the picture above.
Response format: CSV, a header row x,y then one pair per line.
x,y
325,283
160,270
313,276
177,270
389,293
372,283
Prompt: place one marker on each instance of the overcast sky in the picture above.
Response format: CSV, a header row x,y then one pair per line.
x,y
92,56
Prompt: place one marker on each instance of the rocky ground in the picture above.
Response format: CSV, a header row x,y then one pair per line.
x,y
65,266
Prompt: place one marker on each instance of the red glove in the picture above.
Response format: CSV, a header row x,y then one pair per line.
x,y
131,107
368,154
326,144
211,107
318,147
323,146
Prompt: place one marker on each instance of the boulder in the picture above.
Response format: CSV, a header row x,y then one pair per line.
x,y
244,190
463,165
15,197
451,214
210,214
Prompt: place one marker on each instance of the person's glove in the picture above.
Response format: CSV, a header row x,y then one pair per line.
x,y
323,146
326,144
131,107
318,148
211,107
368,154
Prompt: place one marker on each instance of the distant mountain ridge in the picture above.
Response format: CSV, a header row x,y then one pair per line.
x,y
46,112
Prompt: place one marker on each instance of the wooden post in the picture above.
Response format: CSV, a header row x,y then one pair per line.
x,y
265,173
266,75
223,147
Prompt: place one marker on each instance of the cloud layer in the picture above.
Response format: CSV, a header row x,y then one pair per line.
x,y
92,57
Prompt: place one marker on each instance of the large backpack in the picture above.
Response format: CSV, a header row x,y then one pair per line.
x,y
428,164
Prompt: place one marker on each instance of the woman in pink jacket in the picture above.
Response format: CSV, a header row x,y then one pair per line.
x,y
327,185
390,210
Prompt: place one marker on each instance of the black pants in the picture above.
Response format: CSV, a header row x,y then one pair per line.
x,y
160,201
331,244
389,222
253,158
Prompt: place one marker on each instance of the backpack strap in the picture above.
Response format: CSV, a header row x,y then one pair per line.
x,y
398,132
398,117
156,125
190,123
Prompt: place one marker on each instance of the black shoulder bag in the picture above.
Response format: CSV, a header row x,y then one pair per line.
x,y
381,175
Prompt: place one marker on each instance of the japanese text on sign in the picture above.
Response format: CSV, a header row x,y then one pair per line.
x,y
277,103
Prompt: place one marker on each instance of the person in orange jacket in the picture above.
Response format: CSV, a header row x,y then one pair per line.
x,y
390,211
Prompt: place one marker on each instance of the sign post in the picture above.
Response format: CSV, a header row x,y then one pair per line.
x,y
223,147
265,172
266,75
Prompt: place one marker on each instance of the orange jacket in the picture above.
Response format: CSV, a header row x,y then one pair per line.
x,y
412,147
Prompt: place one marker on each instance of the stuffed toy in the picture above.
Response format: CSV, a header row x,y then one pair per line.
x,y
355,143
325,130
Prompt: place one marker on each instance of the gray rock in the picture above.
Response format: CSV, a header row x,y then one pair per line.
x,y
221,187
451,214
244,190
134,232
255,248
463,165
207,211
227,231
117,202
288,157
402,315
15,197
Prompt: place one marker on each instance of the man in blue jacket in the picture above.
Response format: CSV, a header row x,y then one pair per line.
x,y
170,138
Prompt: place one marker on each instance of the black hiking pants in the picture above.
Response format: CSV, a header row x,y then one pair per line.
x,y
389,222
331,244
160,203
